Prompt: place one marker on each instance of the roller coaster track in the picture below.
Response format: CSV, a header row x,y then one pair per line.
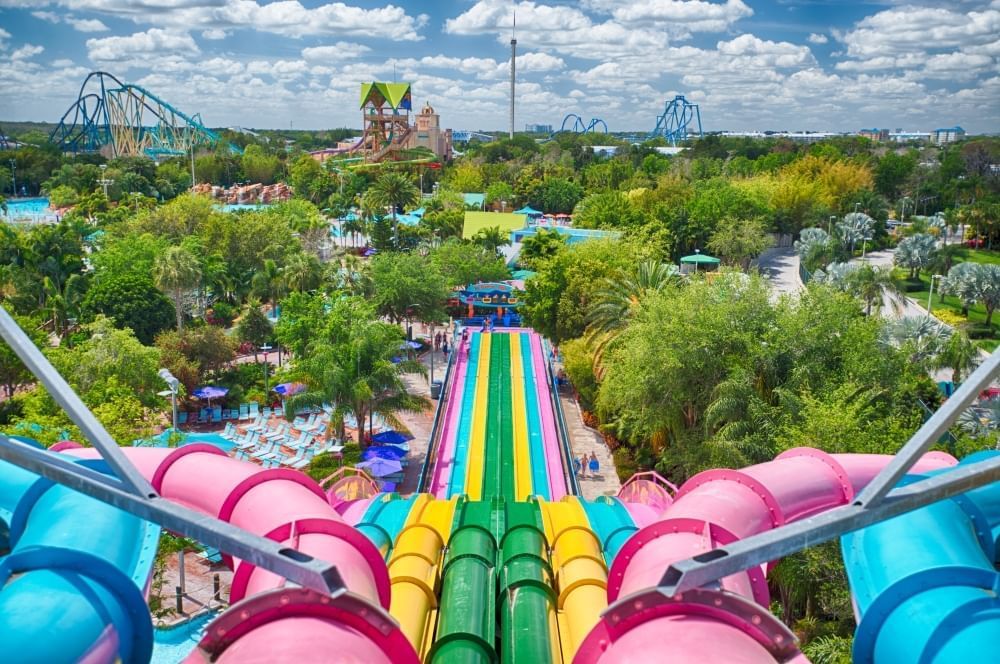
x,y
128,119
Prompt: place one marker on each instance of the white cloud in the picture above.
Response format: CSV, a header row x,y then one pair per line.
x,y
339,51
62,63
50,17
214,34
765,52
26,52
152,42
691,15
284,17
87,24
4,36
917,29
815,38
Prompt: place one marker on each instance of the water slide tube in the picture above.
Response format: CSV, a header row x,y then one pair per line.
x,y
463,432
536,446
519,412
715,508
924,585
72,585
475,463
267,621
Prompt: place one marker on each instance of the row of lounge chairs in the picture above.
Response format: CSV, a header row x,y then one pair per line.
x,y
302,439
218,414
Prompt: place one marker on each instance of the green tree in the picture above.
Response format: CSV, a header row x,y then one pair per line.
x,y
555,195
491,239
463,263
254,328
739,240
405,283
915,253
466,177
133,301
542,245
958,354
176,272
269,283
259,166
892,171
303,272
13,373
500,191
609,210
393,191
310,180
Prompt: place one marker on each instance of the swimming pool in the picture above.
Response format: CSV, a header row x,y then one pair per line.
x,y
239,207
189,437
18,208
171,646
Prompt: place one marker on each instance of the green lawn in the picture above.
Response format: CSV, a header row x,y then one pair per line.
x,y
978,256
977,313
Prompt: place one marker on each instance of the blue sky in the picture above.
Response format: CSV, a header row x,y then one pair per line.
x,y
782,64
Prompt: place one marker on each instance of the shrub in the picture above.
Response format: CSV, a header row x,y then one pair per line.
x,y
949,317
223,314
980,332
624,463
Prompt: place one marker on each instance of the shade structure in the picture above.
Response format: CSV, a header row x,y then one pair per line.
x,y
390,452
288,389
380,467
210,392
530,211
700,259
390,438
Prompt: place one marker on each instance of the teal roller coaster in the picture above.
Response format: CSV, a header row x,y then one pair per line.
x,y
128,120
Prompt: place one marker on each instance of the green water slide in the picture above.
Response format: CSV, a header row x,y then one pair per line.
x,y
466,631
508,483
526,600
496,413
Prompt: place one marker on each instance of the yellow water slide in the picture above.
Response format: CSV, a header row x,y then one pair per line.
x,y
522,457
581,576
477,443
415,568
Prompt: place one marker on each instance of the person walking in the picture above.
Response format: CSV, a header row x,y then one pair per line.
x,y
577,466
594,464
437,341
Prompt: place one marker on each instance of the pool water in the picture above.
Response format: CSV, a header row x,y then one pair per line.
x,y
189,437
171,646
237,207
28,207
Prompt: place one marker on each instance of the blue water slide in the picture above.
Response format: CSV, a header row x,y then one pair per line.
x,y
383,520
611,522
924,585
72,587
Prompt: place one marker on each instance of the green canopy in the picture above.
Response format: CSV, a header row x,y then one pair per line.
x,y
700,259
522,274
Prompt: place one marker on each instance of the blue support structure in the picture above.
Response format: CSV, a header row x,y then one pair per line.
x,y
577,125
677,123
128,119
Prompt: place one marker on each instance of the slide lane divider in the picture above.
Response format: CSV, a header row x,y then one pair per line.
x,y
491,451
475,459
522,454
550,437
456,483
539,479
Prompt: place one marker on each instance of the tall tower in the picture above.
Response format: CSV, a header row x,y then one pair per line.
x,y
513,72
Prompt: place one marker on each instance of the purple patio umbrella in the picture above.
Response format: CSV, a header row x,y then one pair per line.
x,y
288,389
210,392
380,467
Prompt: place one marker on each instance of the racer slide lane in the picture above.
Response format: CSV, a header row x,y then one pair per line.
x,y
455,393
519,411
269,622
475,460
536,446
550,436
463,432
715,508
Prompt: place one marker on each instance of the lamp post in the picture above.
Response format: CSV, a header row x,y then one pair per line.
x,y
267,392
930,293
13,177
170,380
104,181
829,225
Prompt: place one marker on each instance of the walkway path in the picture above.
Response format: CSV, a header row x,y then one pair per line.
x,y
781,267
419,424
584,440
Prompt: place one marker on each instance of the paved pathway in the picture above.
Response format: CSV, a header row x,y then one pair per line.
x,y
584,440
419,424
780,266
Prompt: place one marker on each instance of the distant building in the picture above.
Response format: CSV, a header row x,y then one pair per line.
x,y
429,133
949,135
538,128
875,134
900,136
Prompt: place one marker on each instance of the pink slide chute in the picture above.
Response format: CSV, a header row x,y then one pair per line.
x,y
550,437
274,623
712,509
446,450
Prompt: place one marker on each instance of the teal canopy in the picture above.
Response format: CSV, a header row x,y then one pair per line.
x,y
701,259
530,211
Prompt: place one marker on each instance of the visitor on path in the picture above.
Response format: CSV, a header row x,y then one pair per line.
x,y
444,346
594,464
577,466
437,341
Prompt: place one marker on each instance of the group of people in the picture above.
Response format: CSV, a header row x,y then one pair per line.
x,y
441,342
583,463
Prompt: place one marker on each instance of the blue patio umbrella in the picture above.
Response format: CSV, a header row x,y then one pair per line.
x,y
288,389
380,467
210,392
390,438
410,345
383,452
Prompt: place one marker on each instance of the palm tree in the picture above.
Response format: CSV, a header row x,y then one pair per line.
x,y
63,304
176,271
269,283
855,227
915,253
394,190
922,338
962,282
876,287
491,239
958,354
620,299
303,272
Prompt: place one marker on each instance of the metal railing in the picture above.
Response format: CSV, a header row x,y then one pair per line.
x,y
433,442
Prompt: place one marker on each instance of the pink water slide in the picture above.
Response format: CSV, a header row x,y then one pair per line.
x,y
713,509
445,461
269,622
550,437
